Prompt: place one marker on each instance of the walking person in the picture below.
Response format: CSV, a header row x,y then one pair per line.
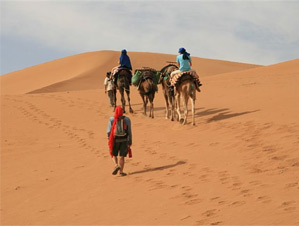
x,y
119,134
108,84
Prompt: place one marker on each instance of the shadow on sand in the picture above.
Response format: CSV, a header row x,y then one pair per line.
x,y
158,168
209,111
227,115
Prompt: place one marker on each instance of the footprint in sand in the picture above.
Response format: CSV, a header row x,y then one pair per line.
x,y
209,213
264,199
255,182
287,204
296,164
269,149
222,202
135,163
157,185
174,186
238,203
245,193
186,188
189,195
236,186
279,158
214,198
204,178
224,180
291,185
193,201
217,223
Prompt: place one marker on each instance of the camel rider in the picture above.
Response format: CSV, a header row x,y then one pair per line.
x,y
124,62
185,62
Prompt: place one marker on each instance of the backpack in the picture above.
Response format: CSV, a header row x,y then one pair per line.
x,y
120,128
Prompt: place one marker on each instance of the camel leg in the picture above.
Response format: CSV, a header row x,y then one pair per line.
x,y
129,100
166,105
185,104
193,110
150,108
144,104
178,104
123,101
172,104
153,105
145,107
151,99
193,98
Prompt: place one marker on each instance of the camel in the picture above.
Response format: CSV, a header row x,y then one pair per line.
x,y
185,89
147,89
168,91
122,84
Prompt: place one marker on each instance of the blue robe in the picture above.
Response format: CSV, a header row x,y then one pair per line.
x,y
125,61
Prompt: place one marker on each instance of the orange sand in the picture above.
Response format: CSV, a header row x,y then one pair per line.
x,y
238,166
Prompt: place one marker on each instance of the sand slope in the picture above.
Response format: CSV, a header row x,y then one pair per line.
x,y
238,166
87,71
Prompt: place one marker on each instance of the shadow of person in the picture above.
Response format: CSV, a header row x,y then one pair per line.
x,y
158,168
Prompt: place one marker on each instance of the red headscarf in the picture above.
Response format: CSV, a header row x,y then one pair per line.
x,y
118,112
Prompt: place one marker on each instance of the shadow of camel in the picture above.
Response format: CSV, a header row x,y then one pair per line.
x,y
158,168
210,112
226,115
160,108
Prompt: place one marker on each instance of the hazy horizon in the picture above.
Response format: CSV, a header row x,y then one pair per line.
x,y
35,32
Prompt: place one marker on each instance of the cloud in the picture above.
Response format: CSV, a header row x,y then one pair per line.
x,y
253,32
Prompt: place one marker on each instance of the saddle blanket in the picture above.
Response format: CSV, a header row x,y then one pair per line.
x,y
175,75
116,69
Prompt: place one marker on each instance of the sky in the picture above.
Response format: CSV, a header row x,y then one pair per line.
x,y
256,32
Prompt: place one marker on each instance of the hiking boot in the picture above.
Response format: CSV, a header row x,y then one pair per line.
x,y
116,169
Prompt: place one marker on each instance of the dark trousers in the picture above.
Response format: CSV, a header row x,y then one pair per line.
x,y
110,95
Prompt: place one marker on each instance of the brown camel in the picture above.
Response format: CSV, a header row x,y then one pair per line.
x,y
147,89
185,89
168,91
122,84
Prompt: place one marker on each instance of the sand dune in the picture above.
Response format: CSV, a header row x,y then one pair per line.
x,y
238,166
87,71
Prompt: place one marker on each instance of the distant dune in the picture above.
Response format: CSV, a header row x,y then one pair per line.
x,y
238,165
87,71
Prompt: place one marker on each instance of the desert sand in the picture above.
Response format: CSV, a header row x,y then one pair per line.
x,y
238,166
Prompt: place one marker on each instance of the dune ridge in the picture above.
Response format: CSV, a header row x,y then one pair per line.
x,y
238,166
87,71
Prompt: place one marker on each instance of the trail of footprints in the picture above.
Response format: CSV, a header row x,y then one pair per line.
x,y
34,113
190,194
265,152
187,193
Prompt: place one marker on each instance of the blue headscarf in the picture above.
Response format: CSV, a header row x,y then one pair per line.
x,y
184,52
125,60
